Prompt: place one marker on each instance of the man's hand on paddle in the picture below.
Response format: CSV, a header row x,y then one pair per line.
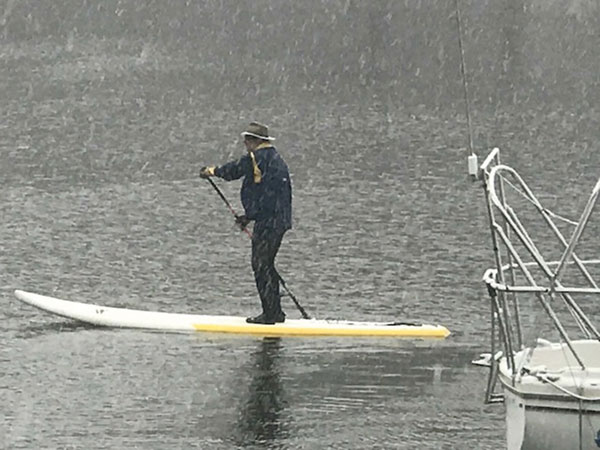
x,y
206,172
242,221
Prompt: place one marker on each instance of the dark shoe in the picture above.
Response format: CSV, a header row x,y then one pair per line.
x,y
267,320
262,319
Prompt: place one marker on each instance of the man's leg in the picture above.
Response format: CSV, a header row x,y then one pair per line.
x,y
265,246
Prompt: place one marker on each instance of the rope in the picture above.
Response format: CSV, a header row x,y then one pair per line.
x,y
547,211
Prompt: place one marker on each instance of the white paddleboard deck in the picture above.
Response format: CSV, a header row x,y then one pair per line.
x,y
129,318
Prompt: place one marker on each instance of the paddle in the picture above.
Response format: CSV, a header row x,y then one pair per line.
x,y
294,299
228,204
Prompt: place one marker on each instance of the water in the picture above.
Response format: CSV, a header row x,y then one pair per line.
x,y
108,113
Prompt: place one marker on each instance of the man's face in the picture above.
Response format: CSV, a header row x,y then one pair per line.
x,y
249,143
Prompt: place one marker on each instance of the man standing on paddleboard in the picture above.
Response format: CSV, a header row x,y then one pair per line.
x,y
266,195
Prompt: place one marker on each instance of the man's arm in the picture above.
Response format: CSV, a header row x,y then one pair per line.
x,y
234,169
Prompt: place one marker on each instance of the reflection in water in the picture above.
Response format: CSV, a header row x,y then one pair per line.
x,y
259,419
32,331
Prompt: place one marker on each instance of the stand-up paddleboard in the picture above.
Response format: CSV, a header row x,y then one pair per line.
x,y
129,318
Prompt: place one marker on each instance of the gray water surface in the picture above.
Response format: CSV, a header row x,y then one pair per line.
x,y
108,112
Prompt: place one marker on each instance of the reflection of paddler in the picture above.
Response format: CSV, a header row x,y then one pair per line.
x,y
259,418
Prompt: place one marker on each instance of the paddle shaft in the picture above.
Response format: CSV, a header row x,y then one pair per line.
x,y
294,299
228,204
281,280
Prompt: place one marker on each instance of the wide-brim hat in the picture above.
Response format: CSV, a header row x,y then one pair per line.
x,y
258,130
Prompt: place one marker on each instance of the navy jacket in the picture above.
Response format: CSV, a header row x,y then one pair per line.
x,y
269,202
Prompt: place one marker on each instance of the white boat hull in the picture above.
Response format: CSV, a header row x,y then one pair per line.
x,y
546,425
540,412
129,318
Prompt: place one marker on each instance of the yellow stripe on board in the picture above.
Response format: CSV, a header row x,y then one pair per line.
x,y
275,330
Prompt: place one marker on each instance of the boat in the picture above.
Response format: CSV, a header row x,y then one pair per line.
x,y
105,316
544,360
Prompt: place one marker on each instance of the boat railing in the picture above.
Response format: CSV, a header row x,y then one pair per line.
x,y
491,275
517,258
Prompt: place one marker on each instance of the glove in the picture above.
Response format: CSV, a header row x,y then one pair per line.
x,y
206,172
242,221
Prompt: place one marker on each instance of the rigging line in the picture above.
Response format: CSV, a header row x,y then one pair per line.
x,y
547,211
464,77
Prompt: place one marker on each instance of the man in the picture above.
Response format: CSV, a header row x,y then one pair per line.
x,y
266,195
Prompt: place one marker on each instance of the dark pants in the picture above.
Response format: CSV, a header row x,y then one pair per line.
x,y
265,245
